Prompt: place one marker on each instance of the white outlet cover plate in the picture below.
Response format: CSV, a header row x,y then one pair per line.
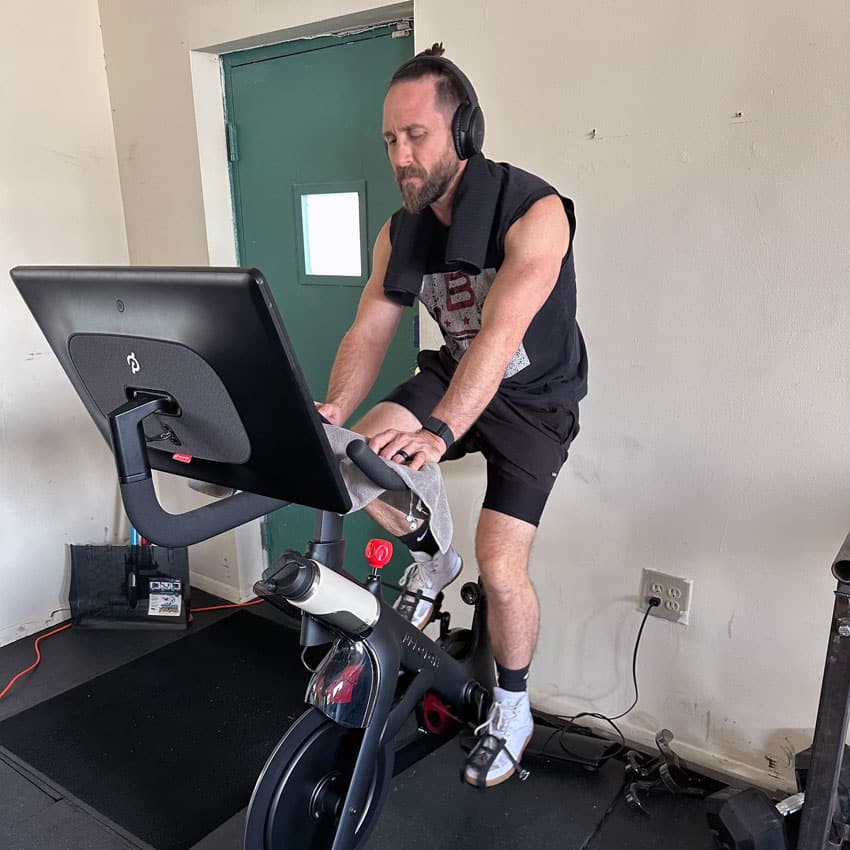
x,y
675,593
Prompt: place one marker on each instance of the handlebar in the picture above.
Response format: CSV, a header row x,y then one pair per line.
x,y
373,467
166,529
159,526
140,500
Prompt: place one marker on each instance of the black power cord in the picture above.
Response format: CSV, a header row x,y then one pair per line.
x,y
572,726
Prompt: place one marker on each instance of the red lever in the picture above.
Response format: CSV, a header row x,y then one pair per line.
x,y
378,553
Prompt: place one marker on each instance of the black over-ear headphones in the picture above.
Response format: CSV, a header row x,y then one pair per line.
x,y
468,120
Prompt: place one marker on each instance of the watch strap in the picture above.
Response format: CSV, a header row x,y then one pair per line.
x,y
440,429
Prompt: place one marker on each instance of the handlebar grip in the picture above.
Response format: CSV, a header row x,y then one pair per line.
x,y
373,467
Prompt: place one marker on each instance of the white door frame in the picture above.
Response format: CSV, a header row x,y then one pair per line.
x,y
208,92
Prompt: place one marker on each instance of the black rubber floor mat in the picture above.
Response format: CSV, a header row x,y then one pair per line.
x,y
558,806
677,823
169,746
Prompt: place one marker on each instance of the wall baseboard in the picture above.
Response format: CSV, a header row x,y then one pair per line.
x,y
714,765
19,631
218,588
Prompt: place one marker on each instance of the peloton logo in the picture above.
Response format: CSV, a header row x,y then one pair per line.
x,y
133,362
423,652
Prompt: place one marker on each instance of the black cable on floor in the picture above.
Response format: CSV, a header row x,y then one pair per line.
x,y
653,602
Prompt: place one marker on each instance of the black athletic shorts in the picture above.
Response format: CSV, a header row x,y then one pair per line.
x,y
525,445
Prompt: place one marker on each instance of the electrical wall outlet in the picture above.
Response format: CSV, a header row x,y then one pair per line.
x,y
675,594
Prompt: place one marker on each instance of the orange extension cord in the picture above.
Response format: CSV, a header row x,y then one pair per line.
x,y
37,658
68,626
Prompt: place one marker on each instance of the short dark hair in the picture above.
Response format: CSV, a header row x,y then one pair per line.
x,y
450,90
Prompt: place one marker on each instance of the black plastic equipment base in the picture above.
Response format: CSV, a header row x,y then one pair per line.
x,y
129,587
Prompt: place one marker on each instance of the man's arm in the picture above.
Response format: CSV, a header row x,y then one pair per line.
x,y
535,246
364,346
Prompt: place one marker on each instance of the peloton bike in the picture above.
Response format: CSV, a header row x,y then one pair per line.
x,y
190,371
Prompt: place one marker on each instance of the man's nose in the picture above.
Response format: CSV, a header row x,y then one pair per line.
x,y
401,153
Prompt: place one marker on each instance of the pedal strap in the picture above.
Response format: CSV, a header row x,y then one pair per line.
x,y
483,754
407,602
413,599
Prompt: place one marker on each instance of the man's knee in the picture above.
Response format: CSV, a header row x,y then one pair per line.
x,y
386,415
505,573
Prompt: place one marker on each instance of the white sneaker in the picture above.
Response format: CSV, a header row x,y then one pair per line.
x,y
422,581
506,731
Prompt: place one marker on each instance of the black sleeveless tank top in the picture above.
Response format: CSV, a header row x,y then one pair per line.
x,y
455,268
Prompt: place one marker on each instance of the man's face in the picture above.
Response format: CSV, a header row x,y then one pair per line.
x,y
419,143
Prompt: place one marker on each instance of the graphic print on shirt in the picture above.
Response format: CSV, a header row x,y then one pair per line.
x,y
454,300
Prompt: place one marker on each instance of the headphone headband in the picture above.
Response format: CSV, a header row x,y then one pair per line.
x,y
439,63
468,120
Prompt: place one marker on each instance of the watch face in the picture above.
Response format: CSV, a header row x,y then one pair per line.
x,y
440,429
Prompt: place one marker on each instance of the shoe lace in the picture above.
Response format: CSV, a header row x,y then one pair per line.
x,y
499,719
413,572
494,724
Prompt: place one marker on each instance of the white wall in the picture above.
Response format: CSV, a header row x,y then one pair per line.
x,y
713,291
60,203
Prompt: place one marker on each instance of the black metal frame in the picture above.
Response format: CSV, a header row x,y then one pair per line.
x,y
818,828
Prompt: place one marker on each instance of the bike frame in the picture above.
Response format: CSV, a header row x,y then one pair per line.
x,y
393,646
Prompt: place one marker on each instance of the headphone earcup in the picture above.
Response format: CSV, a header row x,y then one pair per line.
x,y
468,130
476,130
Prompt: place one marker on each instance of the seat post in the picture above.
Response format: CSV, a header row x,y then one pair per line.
x,y
327,546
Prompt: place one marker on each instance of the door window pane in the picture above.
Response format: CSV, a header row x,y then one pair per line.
x,y
330,219
331,227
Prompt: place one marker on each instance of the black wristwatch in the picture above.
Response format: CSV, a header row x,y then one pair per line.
x,y
438,427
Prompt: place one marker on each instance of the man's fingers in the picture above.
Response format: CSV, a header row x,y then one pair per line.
x,y
329,412
404,447
417,461
379,442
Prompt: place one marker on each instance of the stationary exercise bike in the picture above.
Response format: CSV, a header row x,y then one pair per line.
x,y
326,781
190,371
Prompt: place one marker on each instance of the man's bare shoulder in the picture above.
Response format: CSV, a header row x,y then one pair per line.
x,y
543,227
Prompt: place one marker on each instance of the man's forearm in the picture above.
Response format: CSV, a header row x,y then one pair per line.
x,y
354,372
475,382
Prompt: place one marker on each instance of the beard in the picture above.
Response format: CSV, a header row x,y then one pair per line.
x,y
432,187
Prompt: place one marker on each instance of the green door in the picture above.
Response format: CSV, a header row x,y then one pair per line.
x,y
312,188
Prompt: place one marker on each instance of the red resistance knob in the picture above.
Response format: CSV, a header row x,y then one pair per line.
x,y
378,553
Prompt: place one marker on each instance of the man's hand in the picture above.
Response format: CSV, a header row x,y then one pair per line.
x,y
413,448
331,412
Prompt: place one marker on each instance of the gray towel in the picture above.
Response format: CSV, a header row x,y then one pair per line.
x,y
426,484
